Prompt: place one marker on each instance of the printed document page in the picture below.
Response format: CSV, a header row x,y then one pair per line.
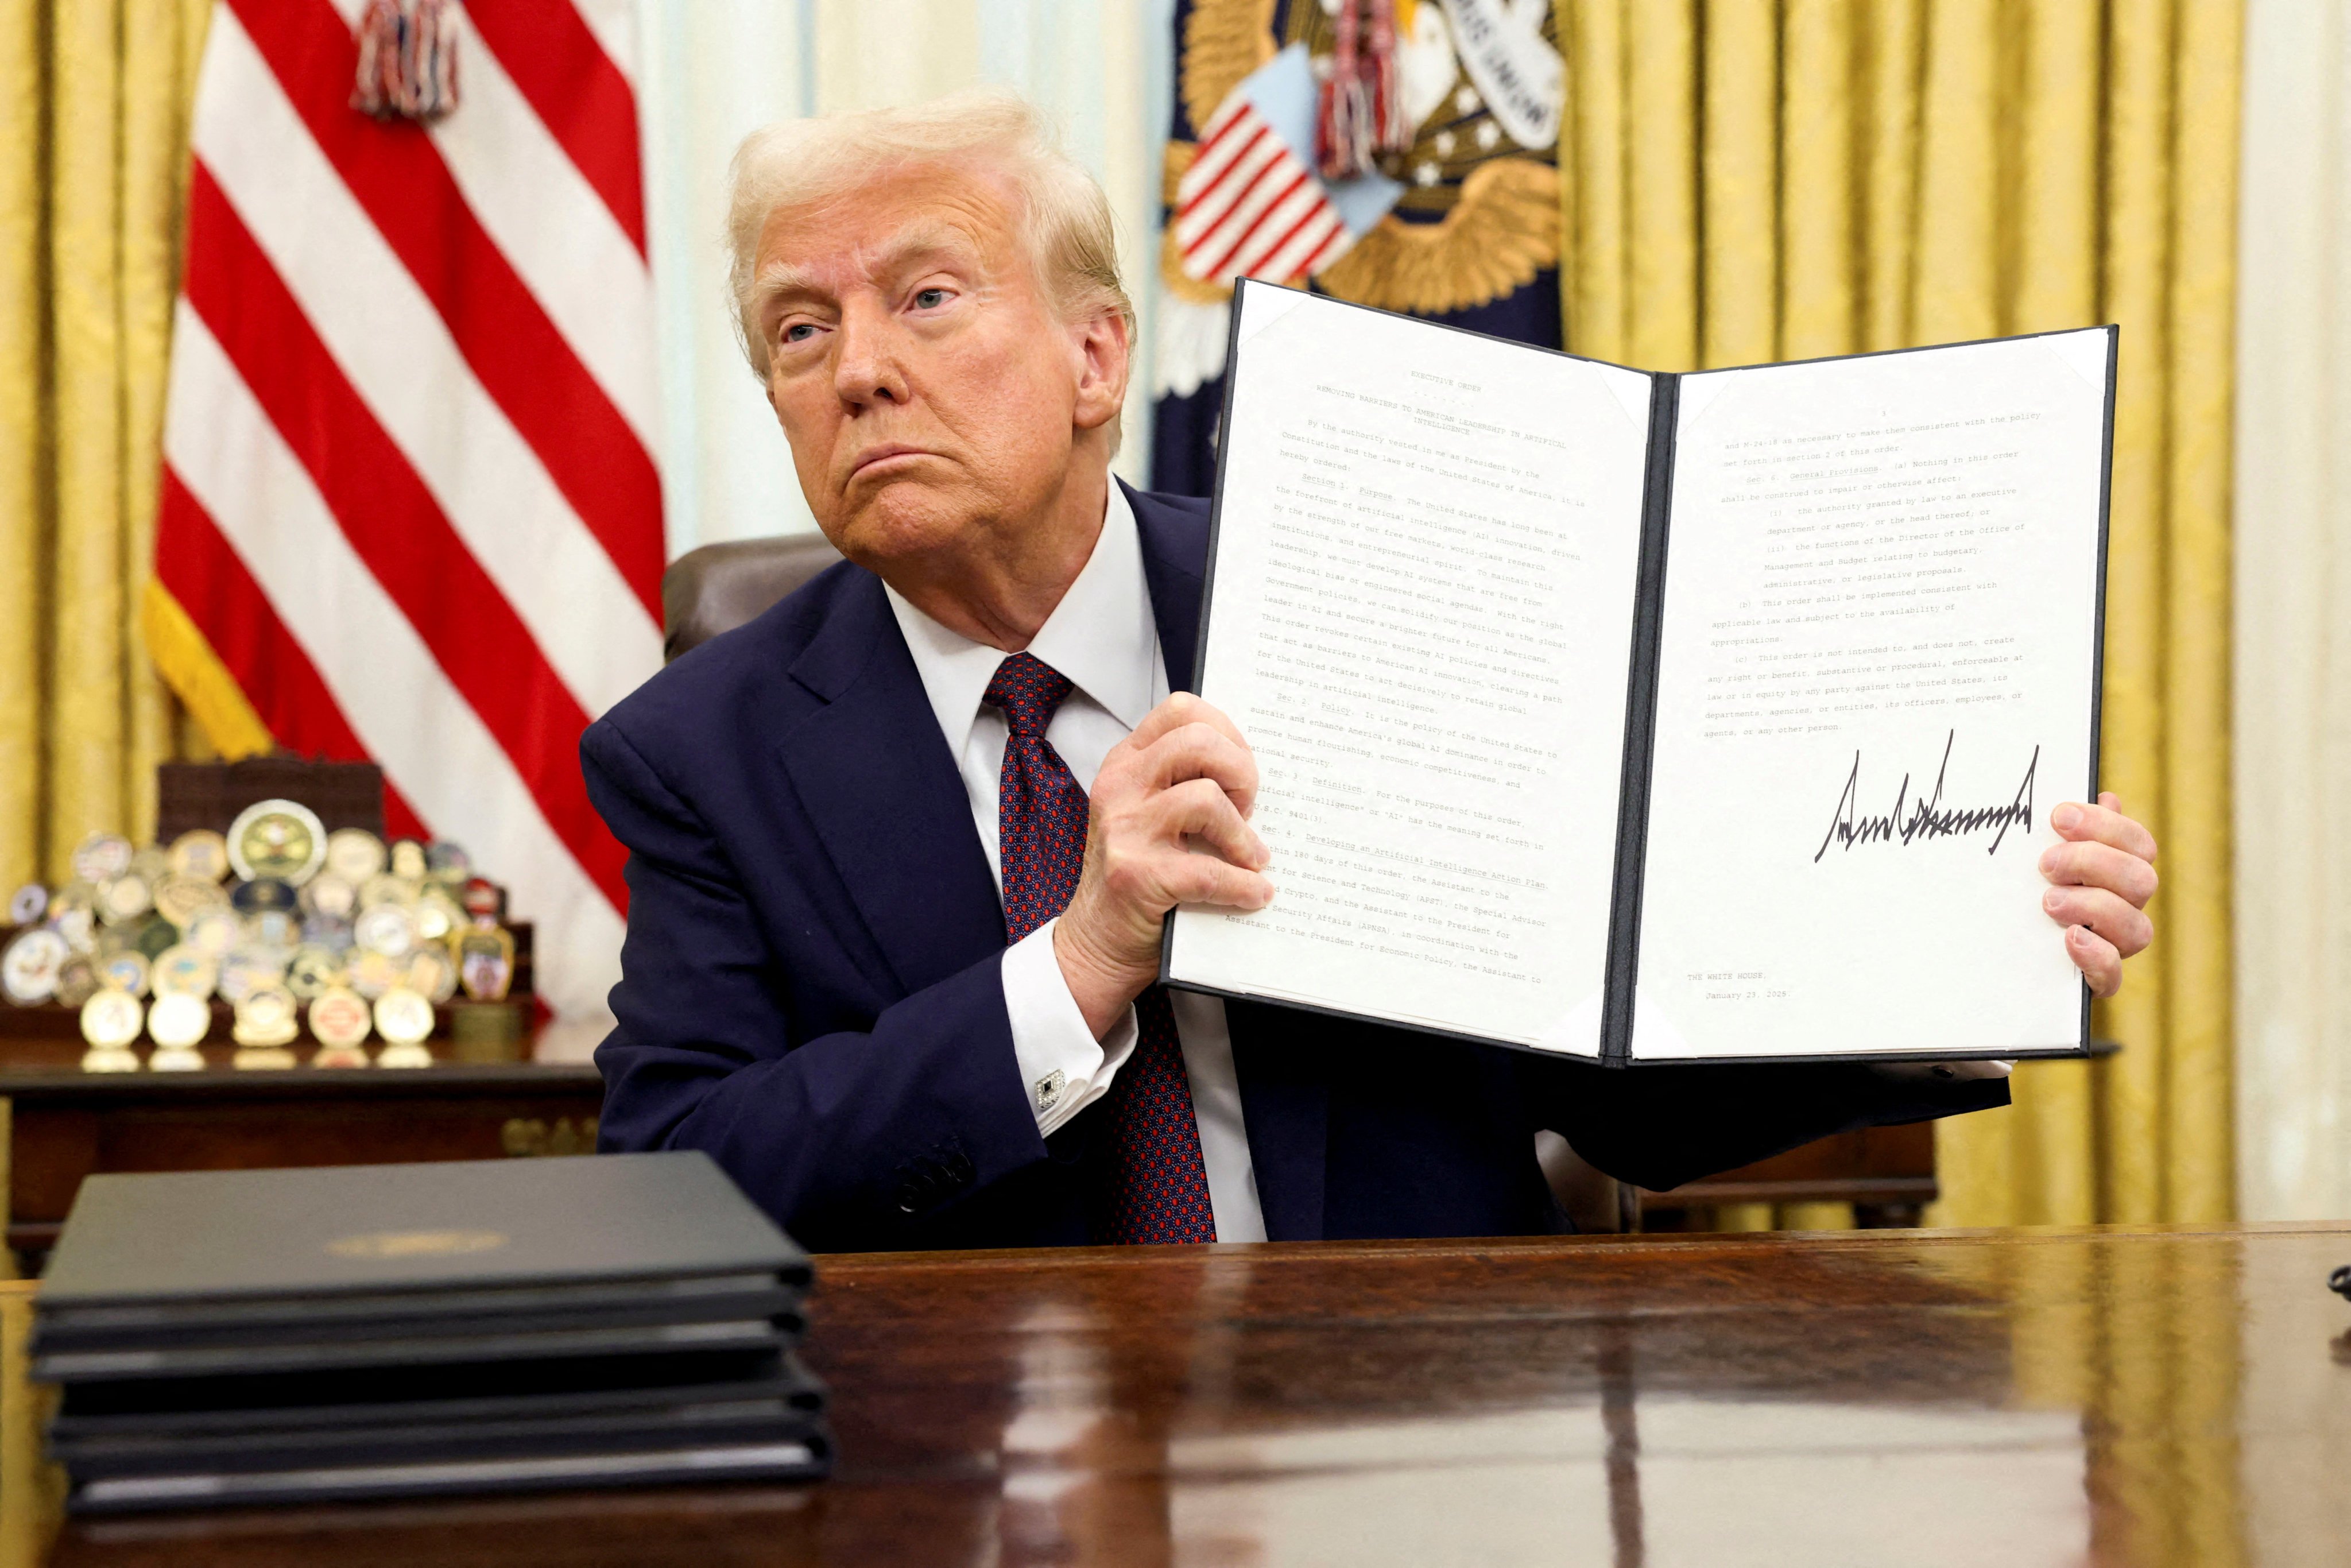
x,y
1876,679
1421,618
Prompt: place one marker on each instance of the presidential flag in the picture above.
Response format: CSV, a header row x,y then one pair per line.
x,y
410,506
1453,217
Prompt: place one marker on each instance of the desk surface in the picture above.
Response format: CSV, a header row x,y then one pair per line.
x,y
2123,1396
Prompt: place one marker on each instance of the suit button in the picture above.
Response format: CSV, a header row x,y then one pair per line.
x,y
958,1168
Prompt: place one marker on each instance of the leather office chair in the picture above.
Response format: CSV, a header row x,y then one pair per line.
x,y
719,586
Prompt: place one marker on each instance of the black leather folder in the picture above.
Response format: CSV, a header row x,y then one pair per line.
x,y
206,1245
701,1425
170,1409
804,1456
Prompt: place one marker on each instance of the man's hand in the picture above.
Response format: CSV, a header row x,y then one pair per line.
x,y
1185,774
2101,879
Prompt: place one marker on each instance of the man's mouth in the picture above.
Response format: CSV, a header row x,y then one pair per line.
x,y
881,461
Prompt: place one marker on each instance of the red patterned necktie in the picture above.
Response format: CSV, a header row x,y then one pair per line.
x,y
1158,1188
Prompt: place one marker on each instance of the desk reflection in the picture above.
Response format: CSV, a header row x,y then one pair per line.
x,y
2135,1397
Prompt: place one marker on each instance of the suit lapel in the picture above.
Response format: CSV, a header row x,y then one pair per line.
x,y
875,776
1285,1094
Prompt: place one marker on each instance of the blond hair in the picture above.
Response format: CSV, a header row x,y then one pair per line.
x,y
1064,218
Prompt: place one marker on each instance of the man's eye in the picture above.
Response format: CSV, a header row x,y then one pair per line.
x,y
930,298
800,332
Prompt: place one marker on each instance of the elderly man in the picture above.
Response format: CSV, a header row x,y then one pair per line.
x,y
902,848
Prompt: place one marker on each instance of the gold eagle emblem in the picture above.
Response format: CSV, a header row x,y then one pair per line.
x,y
1480,216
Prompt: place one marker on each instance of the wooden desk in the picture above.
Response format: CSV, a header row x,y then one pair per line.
x,y
58,1125
1922,1398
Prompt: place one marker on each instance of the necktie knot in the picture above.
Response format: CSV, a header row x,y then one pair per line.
x,y
1027,691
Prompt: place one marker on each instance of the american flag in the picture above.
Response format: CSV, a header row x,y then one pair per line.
x,y
410,511
1249,206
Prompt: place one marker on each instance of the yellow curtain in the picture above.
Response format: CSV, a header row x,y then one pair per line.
x,y
94,109
1751,180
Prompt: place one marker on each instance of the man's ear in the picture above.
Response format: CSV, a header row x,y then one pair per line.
x,y
1102,352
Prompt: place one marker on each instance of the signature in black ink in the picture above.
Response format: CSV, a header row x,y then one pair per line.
x,y
1928,819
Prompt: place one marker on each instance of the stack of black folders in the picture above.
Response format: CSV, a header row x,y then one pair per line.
x,y
233,1337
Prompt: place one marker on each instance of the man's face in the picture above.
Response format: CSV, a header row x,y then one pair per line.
x,y
928,386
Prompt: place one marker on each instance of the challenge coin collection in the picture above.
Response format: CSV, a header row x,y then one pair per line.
x,y
280,918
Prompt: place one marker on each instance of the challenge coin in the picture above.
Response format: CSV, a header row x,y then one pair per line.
x,y
386,928
408,861
447,864
177,898
200,854
28,969
372,973
126,971
341,1021
184,971
433,974
176,1020
328,931
312,972
246,970
403,1017
27,904
214,931
101,857
354,855
267,893
277,930
331,893
78,979
266,1017
110,1018
124,899
280,840
437,914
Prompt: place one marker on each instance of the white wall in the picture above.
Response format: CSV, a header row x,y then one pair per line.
x,y
2293,740
714,70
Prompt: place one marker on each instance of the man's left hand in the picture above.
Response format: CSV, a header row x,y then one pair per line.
x,y
2100,880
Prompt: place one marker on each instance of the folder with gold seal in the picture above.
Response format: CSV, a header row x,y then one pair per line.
x,y
461,1326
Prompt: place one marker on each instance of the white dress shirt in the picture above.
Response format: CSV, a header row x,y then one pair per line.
x,y
1104,638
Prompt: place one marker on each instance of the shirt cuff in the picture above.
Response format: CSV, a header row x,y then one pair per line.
x,y
1063,1069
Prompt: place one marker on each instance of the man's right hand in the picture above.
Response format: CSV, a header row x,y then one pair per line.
x,y
1169,825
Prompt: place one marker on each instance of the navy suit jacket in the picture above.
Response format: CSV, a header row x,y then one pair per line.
x,y
810,992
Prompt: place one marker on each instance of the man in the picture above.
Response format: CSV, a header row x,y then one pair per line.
x,y
901,849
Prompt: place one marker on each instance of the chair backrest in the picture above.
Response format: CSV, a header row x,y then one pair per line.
x,y
719,586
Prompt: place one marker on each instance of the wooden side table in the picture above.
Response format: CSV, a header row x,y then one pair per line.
x,y
58,1126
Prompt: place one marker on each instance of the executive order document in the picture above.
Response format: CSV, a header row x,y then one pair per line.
x,y
1709,716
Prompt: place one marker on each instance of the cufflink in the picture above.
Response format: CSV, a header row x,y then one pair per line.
x,y
1049,1089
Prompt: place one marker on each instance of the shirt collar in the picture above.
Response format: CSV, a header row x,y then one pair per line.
x,y
1102,635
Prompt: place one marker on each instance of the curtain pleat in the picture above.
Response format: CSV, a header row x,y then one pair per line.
x,y
1882,173
94,156
22,408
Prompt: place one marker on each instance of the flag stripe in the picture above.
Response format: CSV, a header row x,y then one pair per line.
x,y
1209,175
559,236
381,506
1283,259
1276,218
395,350
590,452
401,706
1231,187
197,564
1279,180
1216,147
579,93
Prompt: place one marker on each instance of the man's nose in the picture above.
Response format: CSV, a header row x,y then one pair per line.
x,y
867,369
